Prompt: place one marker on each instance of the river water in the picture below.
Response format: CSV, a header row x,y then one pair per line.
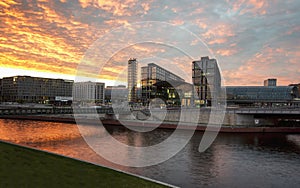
x,y
233,160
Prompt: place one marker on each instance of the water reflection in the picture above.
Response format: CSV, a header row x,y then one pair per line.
x,y
234,160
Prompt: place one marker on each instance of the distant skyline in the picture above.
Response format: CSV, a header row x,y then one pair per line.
x,y
252,40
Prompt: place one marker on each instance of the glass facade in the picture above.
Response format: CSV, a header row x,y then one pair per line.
x,y
158,82
262,93
34,89
206,79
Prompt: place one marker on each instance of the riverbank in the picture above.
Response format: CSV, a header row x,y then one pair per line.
x,y
27,167
68,118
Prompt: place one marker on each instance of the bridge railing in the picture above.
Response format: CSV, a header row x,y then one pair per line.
x,y
37,111
267,111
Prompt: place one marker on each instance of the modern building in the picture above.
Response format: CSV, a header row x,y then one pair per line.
x,y
27,89
132,79
116,94
270,82
261,95
297,86
89,92
207,80
158,82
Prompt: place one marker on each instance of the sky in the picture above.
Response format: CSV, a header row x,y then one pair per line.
x,y
252,40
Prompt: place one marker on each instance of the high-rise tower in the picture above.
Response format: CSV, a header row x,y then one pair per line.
x,y
132,79
206,79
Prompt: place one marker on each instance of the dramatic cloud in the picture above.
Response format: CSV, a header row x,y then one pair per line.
x,y
270,62
252,40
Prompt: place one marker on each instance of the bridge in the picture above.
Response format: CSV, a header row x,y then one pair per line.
x,y
277,116
267,111
233,116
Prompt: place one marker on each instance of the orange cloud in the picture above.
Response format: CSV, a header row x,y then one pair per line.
x,y
118,8
7,3
116,22
256,7
146,7
52,36
218,41
218,34
226,52
263,65
221,30
177,22
44,40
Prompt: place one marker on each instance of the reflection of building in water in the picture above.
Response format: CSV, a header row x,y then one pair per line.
x,y
158,82
132,80
27,89
89,92
207,80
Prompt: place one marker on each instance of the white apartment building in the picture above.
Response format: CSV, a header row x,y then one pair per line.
x,y
89,92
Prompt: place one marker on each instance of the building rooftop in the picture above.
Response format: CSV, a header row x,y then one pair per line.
x,y
262,93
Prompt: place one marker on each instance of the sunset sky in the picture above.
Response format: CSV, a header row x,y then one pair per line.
x,y
252,40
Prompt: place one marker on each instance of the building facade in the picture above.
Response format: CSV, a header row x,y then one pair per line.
x,y
206,79
270,82
27,89
116,94
297,86
158,82
132,79
261,95
89,92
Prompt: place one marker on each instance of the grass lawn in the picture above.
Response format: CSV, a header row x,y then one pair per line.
x,y
23,167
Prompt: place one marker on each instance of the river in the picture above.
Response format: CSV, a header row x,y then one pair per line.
x,y
233,160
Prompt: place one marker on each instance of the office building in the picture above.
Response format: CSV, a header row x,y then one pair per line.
x,y
27,89
270,82
116,94
158,82
88,92
132,79
207,80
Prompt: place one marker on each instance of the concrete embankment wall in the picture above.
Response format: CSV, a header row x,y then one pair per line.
x,y
204,116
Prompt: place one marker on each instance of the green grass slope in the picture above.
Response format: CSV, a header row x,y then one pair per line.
x,y
23,167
